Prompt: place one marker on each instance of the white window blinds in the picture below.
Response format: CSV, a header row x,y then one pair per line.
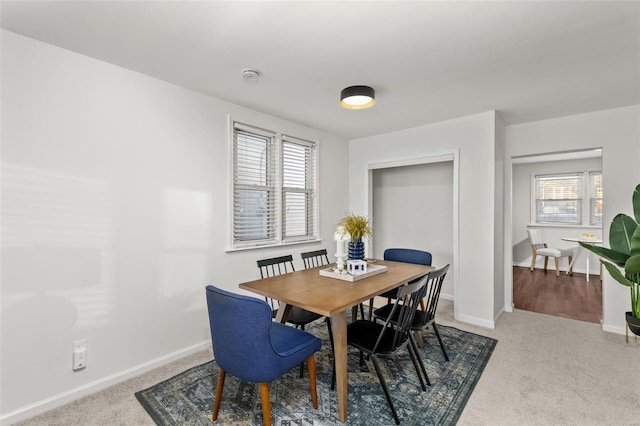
x,y
274,184
298,185
558,199
254,190
595,198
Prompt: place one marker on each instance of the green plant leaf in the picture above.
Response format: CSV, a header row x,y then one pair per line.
x,y
632,267
614,256
616,273
635,242
620,233
635,199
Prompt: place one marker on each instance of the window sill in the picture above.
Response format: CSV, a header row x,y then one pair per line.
x,y
557,225
271,246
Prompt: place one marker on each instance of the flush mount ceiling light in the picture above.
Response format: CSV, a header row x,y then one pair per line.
x,y
358,97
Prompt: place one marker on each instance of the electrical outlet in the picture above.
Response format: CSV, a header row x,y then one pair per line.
x,y
79,354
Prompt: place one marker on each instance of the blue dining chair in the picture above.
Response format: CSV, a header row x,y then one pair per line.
x,y
417,257
250,346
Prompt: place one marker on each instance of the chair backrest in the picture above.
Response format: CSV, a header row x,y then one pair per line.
x,y
399,321
536,237
275,266
434,285
417,257
240,333
313,259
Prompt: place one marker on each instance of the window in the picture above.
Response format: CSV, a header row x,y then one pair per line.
x,y
274,181
595,198
559,199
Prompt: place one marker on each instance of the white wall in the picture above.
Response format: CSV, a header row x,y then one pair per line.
x,y
114,218
617,131
521,218
498,220
413,208
473,136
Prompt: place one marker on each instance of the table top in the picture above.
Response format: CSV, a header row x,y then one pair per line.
x,y
597,240
327,296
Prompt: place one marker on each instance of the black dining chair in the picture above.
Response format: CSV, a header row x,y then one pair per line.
x,y
372,338
417,257
313,259
426,318
297,316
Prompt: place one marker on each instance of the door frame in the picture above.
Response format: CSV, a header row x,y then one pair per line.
x,y
452,155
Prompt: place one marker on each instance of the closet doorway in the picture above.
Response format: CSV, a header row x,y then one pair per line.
x,y
413,207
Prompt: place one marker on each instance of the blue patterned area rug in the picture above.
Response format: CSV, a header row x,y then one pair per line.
x,y
187,399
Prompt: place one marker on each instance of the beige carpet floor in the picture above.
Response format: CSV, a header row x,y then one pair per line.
x,y
545,370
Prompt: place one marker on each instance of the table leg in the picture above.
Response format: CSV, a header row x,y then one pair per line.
x,y
339,326
283,313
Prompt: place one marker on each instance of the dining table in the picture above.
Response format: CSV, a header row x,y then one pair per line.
x,y
333,298
581,239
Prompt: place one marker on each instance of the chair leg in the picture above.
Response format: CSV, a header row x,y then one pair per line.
x,y
424,370
546,262
266,406
411,350
570,265
302,365
384,388
557,267
444,351
312,380
219,386
422,306
533,261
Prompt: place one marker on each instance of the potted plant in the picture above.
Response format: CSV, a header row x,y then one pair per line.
x,y
357,227
624,240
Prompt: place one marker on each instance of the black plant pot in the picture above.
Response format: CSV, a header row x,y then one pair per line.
x,y
633,323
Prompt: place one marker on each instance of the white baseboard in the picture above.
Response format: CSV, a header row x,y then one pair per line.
x,y
613,329
92,387
477,321
446,296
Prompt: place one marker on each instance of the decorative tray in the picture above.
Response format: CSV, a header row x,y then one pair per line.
x,y
371,271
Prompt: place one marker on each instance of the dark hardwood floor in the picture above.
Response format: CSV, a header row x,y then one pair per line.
x,y
568,296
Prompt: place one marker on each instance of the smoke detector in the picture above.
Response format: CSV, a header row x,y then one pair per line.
x,y
250,75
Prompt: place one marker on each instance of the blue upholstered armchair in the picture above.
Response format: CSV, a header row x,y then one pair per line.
x,y
249,345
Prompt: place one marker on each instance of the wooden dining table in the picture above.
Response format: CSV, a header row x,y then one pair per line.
x,y
333,297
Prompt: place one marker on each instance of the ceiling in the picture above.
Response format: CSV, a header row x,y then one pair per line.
x,y
428,61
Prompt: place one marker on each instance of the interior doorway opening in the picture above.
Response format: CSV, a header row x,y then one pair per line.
x,y
568,296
